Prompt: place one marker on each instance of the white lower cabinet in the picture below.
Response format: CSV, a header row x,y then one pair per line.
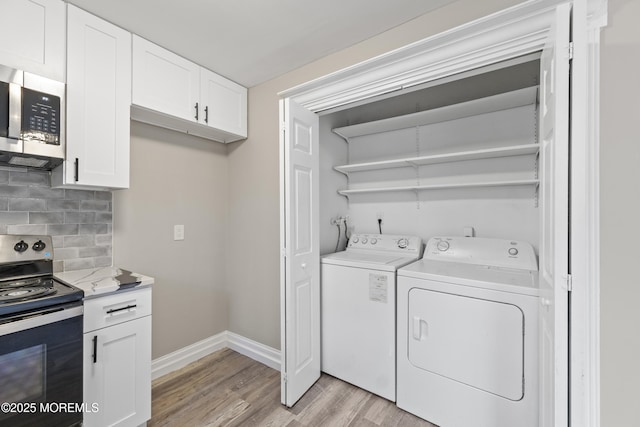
x,y
117,359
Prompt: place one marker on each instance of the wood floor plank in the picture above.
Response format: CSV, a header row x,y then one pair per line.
x,y
229,389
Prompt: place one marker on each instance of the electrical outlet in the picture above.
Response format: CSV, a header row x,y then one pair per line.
x,y
178,232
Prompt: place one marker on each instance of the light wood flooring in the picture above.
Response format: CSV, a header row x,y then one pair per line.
x,y
229,389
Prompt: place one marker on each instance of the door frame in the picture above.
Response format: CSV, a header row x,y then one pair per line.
x,y
507,34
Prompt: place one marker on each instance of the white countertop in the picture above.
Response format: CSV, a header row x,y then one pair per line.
x,y
99,281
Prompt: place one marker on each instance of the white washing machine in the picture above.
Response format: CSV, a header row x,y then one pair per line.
x,y
358,288
468,333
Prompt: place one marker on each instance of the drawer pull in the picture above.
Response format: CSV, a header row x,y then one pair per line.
x,y
115,310
95,349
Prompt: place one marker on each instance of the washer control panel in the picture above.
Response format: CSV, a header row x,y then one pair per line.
x,y
482,251
386,242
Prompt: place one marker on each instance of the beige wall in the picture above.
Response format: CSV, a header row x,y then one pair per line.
x,y
620,215
176,179
253,282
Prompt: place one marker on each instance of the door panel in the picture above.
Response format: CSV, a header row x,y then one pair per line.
x,y
554,204
164,81
474,341
225,103
301,252
303,218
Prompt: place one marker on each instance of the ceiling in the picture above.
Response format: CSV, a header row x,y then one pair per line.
x,y
252,41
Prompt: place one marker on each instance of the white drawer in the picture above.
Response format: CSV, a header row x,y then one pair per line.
x,y
113,309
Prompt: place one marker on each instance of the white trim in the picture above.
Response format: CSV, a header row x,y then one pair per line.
x,y
516,31
259,352
589,17
180,358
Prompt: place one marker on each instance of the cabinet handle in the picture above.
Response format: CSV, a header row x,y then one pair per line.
x,y
114,310
95,349
206,114
77,169
196,111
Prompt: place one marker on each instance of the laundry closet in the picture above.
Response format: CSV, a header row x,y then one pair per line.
x,y
462,134
454,158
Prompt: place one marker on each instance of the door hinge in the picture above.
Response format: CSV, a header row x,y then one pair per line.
x,y
569,282
284,378
283,126
570,51
283,252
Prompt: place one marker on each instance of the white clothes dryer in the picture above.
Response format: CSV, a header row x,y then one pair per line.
x,y
358,311
468,333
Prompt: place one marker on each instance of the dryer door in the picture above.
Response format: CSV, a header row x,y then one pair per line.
x,y
474,341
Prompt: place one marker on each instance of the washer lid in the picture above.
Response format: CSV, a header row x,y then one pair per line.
x,y
482,276
368,259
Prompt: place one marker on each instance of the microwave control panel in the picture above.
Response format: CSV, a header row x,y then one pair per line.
x,y
40,117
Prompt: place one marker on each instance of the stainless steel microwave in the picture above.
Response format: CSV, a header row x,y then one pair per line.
x,y
32,120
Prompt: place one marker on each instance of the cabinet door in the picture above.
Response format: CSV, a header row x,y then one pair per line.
x,y
98,102
165,82
117,374
32,36
225,103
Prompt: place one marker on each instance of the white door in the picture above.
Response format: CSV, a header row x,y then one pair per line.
x,y
32,37
117,374
165,82
554,203
224,103
300,265
98,101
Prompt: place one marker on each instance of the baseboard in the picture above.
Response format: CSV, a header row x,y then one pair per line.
x,y
180,358
259,352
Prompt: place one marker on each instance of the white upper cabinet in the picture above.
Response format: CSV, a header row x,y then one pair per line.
x,y
98,104
164,81
32,37
174,93
225,103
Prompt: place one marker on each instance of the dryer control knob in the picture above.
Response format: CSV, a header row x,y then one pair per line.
x,y
513,251
443,246
403,243
364,241
374,241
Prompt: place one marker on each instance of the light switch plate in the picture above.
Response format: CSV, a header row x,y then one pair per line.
x,y
178,232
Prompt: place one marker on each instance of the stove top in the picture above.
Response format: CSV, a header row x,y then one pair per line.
x,y
26,277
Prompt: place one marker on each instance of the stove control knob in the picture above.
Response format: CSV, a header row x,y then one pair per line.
x,y
443,245
39,245
403,243
21,246
374,241
355,240
364,241
513,251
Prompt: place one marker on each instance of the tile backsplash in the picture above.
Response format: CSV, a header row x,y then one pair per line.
x,y
80,221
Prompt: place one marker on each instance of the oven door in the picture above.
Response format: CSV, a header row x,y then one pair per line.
x,y
41,369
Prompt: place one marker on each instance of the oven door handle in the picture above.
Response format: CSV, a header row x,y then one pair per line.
x,y
39,319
